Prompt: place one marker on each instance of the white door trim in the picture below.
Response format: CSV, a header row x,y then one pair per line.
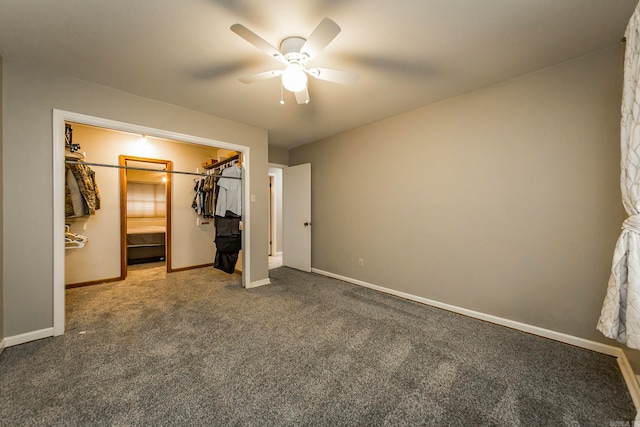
x,y
59,117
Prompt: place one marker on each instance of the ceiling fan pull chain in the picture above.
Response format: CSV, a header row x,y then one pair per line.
x,y
281,93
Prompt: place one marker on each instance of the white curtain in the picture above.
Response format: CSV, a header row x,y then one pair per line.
x,y
620,316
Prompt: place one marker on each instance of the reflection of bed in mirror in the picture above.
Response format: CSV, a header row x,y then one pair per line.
x,y
145,244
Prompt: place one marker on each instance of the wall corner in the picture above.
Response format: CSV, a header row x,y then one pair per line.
x,y
278,155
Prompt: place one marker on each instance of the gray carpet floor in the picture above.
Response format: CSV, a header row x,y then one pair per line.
x,y
194,348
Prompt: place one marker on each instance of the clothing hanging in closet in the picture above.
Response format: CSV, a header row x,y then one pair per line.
x,y
227,219
229,196
228,243
204,200
82,196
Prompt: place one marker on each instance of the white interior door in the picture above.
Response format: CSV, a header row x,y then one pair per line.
x,y
296,217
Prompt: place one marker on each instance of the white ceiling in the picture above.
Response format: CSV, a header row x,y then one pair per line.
x,y
409,53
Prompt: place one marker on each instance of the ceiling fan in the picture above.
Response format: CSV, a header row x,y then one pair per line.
x,y
295,54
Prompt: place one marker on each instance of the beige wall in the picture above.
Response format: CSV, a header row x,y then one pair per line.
x,y
504,200
278,155
100,258
30,95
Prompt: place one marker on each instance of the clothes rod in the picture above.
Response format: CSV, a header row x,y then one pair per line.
x,y
104,165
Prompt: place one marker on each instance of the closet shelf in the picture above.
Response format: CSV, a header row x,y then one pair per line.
x,y
223,162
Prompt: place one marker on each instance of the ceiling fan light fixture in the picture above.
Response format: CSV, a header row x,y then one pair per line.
x,y
294,79
295,54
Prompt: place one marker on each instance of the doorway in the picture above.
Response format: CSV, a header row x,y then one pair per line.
x,y
275,215
271,215
145,212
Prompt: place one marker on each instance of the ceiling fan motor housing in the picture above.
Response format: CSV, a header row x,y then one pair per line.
x,y
290,48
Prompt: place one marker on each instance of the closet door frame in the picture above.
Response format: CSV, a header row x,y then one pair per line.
x,y
59,118
168,165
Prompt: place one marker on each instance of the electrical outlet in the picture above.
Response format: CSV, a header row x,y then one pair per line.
x,y
360,262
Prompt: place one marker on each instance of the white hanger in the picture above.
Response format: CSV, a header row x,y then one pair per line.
x,y
77,237
72,244
71,237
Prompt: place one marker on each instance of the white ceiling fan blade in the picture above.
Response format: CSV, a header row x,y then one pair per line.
x,y
302,97
252,78
256,40
335,76
326,31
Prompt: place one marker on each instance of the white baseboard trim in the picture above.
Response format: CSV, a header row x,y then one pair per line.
x,y
535,330
2,345
630,379
259,283
29,336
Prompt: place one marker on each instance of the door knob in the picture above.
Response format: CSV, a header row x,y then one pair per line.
x,y
306,224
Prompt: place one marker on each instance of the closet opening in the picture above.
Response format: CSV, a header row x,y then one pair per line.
x,y
91,247
145,212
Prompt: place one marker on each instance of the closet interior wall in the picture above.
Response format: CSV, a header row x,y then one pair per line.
x,y
192,240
